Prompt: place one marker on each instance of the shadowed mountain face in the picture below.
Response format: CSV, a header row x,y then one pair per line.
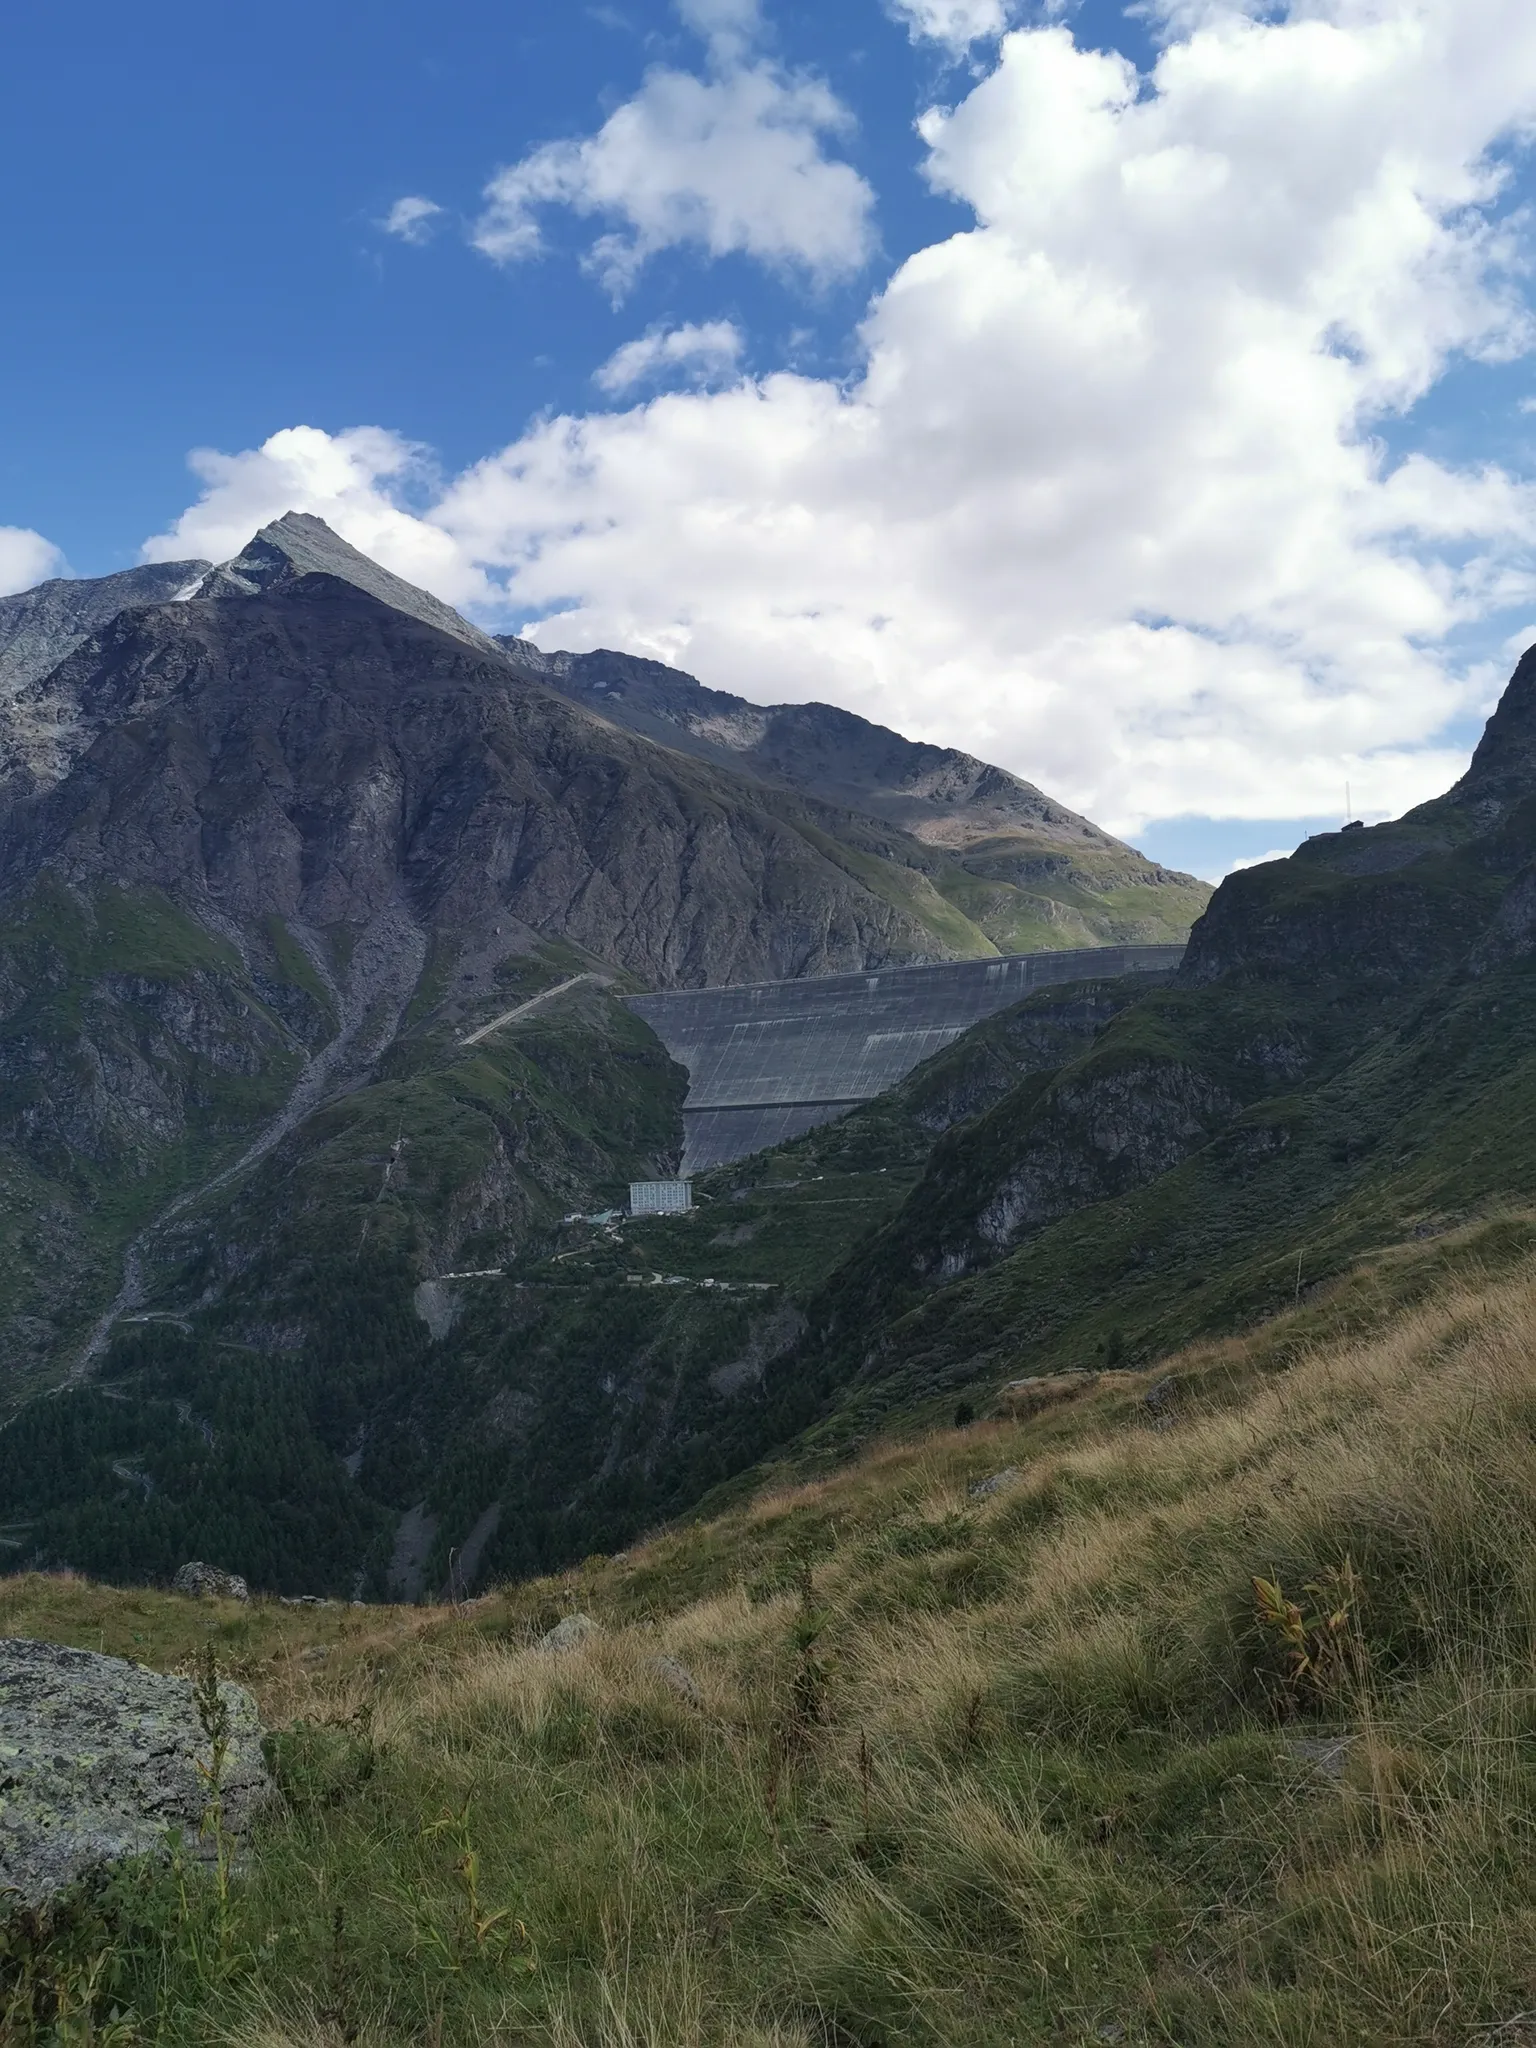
x,y
1030,872
40,626
1343,1061
319,756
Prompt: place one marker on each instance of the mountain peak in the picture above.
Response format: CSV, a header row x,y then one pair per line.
x,y
1503,768
299,544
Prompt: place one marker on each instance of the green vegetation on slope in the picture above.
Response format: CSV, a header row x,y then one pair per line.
x,y
294,1395
1347,1069
283,1334
984,1742
136,1056
1040,898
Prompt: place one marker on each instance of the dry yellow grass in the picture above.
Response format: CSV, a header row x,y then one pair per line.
x,y
957,1768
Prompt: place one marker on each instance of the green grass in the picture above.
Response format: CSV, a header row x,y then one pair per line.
x,y
1068,901
1015,1768
315,1333
298,970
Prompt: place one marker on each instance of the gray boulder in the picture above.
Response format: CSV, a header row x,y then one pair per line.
x,y
206,1579
996,1482
99,1760
674,1673
569,1634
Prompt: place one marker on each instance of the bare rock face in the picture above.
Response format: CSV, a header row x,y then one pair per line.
x,y
937,793
38,627
99,1761
311,753
206,1581
1038,857
299,545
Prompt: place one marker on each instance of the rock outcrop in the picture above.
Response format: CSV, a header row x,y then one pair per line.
x,y
207,1582
315,754
99,1760
568,1635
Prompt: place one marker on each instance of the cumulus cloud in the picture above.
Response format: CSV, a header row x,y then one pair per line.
x,y
1106,503
955,23
26,558
411,218
353,481
709,349
729,27
731,163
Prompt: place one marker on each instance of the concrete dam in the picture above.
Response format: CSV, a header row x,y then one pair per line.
x,y
769,1060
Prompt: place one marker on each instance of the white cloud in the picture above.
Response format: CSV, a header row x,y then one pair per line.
x,y
728,27
351,480
26,558
411,219
1105,504
711,349
955,23
732,163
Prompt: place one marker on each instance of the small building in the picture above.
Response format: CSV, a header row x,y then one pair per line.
x,y
660,1197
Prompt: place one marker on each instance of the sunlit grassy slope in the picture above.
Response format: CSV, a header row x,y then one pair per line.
x,y
888,1758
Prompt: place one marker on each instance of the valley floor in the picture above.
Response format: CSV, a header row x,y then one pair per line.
x,y
990,1738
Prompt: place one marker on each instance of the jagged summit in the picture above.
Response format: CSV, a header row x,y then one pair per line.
x,y
299,545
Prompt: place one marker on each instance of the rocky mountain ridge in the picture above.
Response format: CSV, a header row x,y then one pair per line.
x,y
40,626
1343,1061
1026,868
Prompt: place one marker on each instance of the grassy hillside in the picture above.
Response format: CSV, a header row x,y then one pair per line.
x,y
1030,896
985,1740
285,1316
1339,1067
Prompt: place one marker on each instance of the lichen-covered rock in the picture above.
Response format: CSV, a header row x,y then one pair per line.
x,y
675,1675
569,1634
99,1760
200,1579
995,1482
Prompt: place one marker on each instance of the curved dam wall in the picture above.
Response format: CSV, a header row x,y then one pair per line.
x,y
772,1059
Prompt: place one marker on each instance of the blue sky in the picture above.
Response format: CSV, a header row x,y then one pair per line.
x,y
189,200
996,406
